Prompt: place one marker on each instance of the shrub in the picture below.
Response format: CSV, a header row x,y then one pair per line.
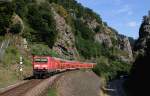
x,y
110,68
16,28
60,10
41,49
98,29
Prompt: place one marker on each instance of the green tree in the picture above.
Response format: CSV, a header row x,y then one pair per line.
x,y
16,28
6,12
20,7
83,30
41,19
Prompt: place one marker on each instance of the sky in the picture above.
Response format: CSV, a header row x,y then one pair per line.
x,y
123,15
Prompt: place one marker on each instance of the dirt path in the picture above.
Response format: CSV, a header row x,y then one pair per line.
x,y
79,83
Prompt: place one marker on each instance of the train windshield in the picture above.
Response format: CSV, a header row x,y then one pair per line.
x,y
40,60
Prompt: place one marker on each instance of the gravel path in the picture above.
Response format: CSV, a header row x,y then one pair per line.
x,y
78,83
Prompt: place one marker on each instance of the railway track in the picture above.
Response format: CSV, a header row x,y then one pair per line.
x,y
20,90
33,87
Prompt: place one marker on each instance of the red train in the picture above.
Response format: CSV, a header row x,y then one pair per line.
x,y
43,65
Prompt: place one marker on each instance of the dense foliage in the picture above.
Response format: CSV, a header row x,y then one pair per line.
x,y
6,12
40,30
41,49
41,20
110,69
40,25
16,28
72,6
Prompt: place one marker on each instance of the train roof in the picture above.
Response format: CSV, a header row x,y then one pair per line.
x,y
71,60
65,59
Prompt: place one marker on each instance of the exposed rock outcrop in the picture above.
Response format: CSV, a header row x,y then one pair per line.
x,y
144,35
106,38
17,20
64,44
103,39
125,45
92,24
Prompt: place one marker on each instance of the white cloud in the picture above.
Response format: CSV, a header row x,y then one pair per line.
x,y
132,24
126,9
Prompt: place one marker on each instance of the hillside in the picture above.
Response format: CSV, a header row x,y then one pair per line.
x,y
63,29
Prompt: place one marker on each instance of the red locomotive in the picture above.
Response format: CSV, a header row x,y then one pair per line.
x,y
43,65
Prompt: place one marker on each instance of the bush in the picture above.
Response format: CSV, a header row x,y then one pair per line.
x,y
28,31
97,29
102,64
60,10
110,69
16,28
41,49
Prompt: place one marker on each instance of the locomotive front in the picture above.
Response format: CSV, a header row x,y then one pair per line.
x,y
40,65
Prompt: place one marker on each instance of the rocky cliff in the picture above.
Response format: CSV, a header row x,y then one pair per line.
x,y
144,35
125,45
110,38
139,78
65,42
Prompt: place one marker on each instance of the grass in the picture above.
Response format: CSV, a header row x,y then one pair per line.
x,y
52,92
9,72
7,77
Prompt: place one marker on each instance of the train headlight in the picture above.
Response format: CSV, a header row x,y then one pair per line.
x,y
45,66
36,65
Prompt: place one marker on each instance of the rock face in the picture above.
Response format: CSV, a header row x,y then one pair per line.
x,y
144,35
106,38
103,39
125,45
139,80
64,44
17,20
102,36
92,24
